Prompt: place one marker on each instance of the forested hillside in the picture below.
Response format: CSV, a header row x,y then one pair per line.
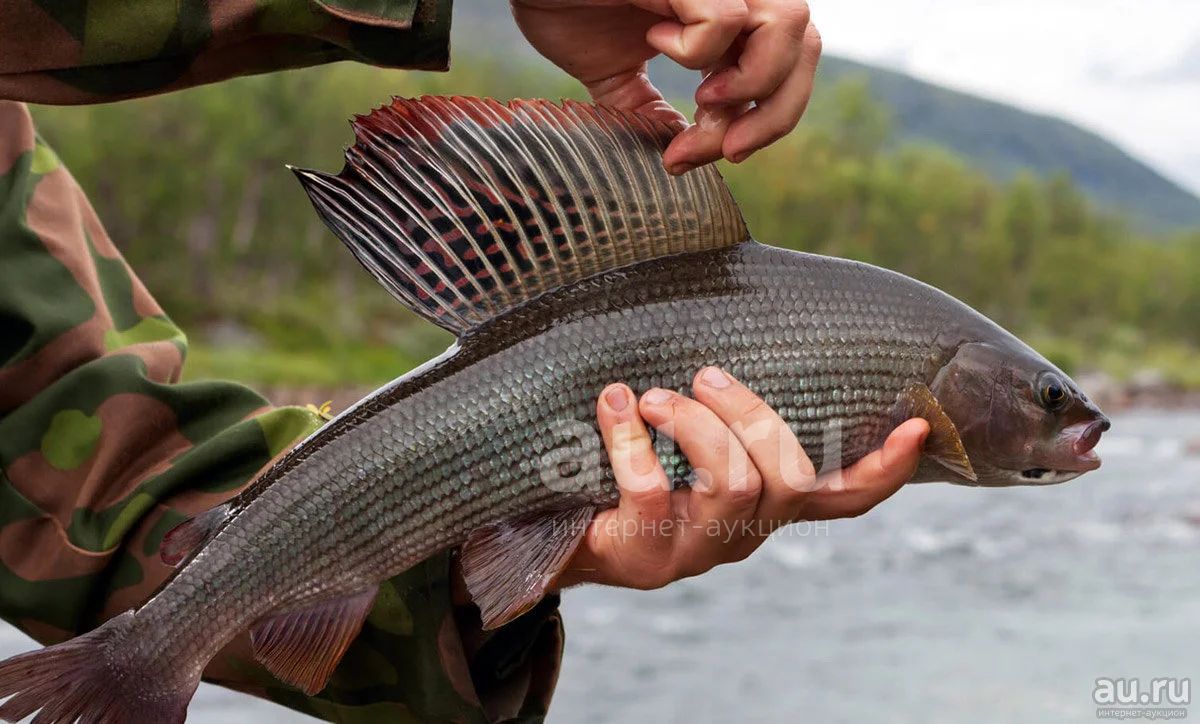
x,y
995,137
193,188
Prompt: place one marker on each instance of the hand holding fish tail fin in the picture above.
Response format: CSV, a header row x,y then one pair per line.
x,y
463,208
92,678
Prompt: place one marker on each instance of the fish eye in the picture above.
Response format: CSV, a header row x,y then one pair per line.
x,y
1052,392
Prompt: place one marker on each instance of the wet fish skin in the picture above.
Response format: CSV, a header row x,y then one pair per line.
x,y
464,442
415,468
502,427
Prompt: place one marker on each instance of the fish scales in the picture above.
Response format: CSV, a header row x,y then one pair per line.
x,y
551,242
386,491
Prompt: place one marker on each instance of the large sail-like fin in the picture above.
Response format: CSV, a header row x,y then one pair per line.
x,y
465,207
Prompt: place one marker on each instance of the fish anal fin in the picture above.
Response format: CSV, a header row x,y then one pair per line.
x,y
464,208
509,565
190,536
944,445
302,647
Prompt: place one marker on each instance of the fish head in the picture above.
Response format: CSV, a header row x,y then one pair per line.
x,y
1022,420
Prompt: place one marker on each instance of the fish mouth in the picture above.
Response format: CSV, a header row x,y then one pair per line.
x,y
1089,437
1053,476
1081,458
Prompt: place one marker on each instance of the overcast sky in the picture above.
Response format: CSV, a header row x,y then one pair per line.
x,y
1129,70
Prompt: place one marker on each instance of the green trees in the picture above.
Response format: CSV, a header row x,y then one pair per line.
x,y
1031,253
193,189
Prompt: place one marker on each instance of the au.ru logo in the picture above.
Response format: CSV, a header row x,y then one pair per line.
x,y
1131,698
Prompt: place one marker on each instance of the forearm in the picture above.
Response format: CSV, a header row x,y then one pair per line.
x,y
115,50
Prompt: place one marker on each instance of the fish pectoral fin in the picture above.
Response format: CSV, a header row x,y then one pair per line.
x,y
509,565
303,646
944,445
190,536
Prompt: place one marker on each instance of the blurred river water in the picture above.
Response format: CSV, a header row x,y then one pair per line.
x,y
945,604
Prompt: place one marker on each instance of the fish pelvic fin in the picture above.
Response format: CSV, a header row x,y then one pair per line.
x,y
943,445
91,678
509,566
463,208
302,647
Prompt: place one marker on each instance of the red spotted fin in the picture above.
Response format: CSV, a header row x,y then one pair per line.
x,y
465,207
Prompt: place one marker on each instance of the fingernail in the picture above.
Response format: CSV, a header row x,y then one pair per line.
x,y
617,398
707,94
656,396
714,377
739,157
681,168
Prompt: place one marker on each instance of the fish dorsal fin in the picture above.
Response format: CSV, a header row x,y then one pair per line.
x,y
465,207
303,647
509,565
944,445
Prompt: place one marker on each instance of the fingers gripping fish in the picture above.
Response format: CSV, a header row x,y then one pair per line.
x,y
550,241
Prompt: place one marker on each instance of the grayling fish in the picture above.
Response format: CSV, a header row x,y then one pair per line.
x,y
551,242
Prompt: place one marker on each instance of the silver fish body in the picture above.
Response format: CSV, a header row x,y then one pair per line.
x,y
505,425
502,428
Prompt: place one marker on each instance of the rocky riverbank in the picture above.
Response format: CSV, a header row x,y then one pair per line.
x,y
1146,389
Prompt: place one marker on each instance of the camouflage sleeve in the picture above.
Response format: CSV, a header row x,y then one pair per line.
x,y
90,51
103,450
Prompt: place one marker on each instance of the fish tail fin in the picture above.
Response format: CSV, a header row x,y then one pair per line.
x,y
90,678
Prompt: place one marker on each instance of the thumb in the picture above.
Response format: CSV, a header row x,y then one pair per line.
x,y
632,90
902,450
701,143
870,481
884,471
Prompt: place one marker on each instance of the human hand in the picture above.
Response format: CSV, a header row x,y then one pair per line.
x,y
761,57
755,478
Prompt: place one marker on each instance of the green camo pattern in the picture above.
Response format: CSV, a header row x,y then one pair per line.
x,y
103,450
88,51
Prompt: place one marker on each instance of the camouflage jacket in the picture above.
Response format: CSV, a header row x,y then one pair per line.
x,y
103,449
88,51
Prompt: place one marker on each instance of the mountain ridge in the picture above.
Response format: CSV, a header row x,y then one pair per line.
x,y
998,137
1042,142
